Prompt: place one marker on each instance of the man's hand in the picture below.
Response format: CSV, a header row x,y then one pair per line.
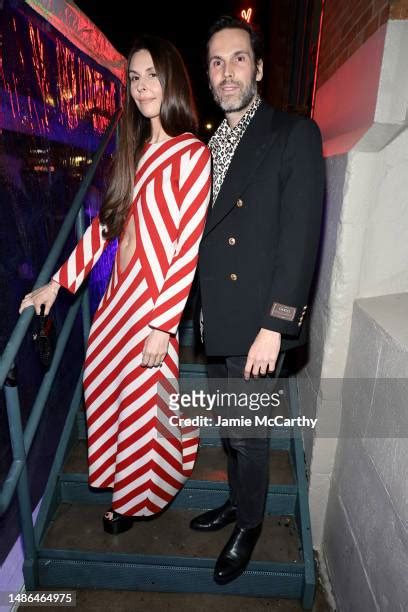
x,y
155,348
263,353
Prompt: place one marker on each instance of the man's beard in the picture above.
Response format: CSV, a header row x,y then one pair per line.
x,y
231,106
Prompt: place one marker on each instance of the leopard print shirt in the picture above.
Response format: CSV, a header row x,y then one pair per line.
x,y
223,144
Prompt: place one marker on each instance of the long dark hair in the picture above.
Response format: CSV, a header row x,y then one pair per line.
x,y
177,115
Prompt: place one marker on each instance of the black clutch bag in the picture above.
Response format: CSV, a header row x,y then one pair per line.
x,y
44,337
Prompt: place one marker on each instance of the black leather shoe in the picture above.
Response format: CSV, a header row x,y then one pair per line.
x,y
236,554
215,519
118,523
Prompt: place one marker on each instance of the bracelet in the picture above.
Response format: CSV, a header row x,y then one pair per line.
x,y
51,287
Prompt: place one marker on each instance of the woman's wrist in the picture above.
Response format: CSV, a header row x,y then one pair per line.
x,y
54,286
157,329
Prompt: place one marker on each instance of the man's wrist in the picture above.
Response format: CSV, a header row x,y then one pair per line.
x,y
271,331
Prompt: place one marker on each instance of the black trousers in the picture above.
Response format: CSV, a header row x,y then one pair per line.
x,y
247,457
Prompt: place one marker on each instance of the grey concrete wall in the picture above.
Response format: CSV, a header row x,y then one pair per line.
x,y
364,250
365,543
385,270
309,379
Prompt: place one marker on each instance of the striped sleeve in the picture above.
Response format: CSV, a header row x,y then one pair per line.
x,y
194,193
83,257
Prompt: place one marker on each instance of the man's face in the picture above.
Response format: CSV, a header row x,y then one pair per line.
x,y
232,72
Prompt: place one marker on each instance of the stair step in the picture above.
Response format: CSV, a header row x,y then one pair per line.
x,y
79,527
210,464
280,440
99,600
164,554
206,488
197,494
186,333
190,354
193,370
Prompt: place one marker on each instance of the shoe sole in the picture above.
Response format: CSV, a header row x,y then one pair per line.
x,y
230,578
116,528
217,528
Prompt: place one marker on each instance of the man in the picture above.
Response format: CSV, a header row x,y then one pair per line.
x,y
257,259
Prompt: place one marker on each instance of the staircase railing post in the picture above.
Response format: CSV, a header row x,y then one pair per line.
x,y
23,489
117,136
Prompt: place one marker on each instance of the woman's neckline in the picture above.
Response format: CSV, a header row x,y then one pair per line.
x,y
156,144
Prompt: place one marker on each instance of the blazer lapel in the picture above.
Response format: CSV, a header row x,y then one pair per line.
x,y
254,144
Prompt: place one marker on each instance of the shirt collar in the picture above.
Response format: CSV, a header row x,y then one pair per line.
x,y
238,130
224,142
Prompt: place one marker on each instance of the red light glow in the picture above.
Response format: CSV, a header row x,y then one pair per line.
x,y
317,61
246,14
81,92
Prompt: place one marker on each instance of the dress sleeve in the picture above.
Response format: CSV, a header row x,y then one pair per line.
x,y
83,257
195,191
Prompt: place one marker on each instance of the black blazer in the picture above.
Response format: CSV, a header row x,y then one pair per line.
x,y
258,252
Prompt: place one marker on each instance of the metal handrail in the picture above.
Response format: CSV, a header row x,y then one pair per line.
x,y
17,336
13,410
21,441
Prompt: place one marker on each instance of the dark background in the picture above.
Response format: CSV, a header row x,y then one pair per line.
x,y
290,29
184,24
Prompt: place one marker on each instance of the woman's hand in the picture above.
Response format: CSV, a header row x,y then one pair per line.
x,y
155,348
46,294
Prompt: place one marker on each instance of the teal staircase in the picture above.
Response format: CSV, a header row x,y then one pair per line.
x,y
67,547
163,554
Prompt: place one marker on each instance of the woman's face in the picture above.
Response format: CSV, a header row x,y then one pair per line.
x,y
145,87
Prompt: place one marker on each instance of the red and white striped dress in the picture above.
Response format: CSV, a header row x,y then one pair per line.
x,y
132,447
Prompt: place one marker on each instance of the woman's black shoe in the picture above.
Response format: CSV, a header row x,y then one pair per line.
x,y
118,523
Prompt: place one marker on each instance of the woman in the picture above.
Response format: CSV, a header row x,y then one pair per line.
x,y
156,205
